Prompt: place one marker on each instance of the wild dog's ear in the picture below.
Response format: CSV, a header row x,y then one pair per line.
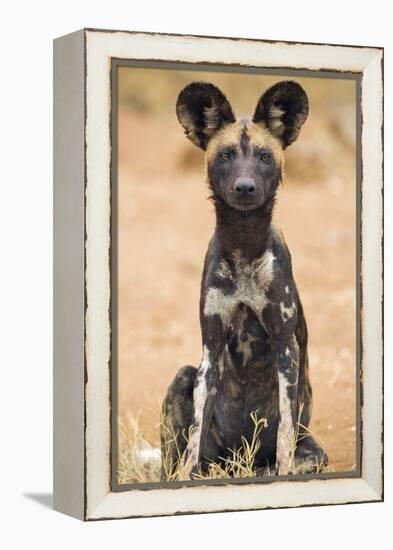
x,y
202,110
283,108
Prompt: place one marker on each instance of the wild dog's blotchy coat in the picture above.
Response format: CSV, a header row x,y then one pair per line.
x,y
253,329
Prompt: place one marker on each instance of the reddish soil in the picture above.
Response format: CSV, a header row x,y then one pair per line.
x,y
165,223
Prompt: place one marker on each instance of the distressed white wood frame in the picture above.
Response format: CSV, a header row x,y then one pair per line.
x,y
98,500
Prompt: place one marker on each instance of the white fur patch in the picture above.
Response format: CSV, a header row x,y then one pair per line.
x,y
224,271
295,350
277,127
276,112
275,121
286,290
200,395
286,431
200,390
252,282
287,312
217,303
211,117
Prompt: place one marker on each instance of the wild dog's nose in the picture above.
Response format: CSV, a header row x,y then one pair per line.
x,y
245,186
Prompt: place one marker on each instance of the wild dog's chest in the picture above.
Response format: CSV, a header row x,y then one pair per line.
x,y
239,282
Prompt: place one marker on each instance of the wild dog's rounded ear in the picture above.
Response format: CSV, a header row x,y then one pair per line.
x,y
202,110
283,108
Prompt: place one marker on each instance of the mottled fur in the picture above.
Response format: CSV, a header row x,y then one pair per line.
x,y
253,328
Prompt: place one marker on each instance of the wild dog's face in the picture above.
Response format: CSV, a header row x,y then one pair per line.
x,y
244,157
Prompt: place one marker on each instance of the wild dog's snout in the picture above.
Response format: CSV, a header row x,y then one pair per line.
x,y
244,187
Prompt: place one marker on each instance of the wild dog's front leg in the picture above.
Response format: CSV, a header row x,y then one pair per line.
x,y
287,357
205,389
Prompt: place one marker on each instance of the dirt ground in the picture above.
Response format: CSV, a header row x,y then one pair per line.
x,y
165,223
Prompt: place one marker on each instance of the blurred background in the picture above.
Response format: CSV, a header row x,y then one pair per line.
x,y
165,222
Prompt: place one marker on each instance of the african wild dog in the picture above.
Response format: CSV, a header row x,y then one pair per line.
x,y
254,333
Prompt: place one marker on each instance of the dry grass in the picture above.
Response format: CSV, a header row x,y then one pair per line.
x,y
140,459
241,462
301,432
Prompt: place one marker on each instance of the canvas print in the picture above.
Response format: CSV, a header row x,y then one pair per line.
x,y
234,288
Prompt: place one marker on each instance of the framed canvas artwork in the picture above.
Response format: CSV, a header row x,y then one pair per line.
x,y
218,265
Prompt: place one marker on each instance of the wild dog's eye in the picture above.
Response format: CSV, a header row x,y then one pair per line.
x,y
265,157
225,155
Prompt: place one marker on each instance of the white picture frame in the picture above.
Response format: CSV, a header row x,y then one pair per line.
x,y
83,64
